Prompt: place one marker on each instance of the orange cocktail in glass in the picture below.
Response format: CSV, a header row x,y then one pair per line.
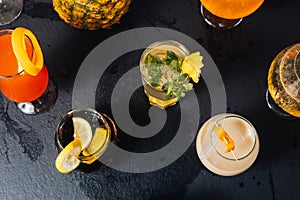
x,y
227,13
18,85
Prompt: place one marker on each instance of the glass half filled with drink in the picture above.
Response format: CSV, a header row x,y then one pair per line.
x,y
82,136
227,144
227,13
283,94
167,67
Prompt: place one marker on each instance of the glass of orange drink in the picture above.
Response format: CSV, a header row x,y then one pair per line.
x,y
24,78
10,10
227,13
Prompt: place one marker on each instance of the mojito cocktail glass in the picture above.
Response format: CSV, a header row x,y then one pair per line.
x,y
158,74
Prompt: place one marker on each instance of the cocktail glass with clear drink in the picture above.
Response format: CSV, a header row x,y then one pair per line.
x,y
283,94
227,144
227,13
82,136
10,10
24,78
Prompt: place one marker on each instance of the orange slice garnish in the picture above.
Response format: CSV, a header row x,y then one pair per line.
x,y
31,65
225,138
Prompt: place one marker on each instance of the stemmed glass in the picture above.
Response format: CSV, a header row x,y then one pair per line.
x,y
32,93
283,94
227,13
10,10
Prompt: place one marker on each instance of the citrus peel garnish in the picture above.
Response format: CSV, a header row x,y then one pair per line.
x,y
30,65
67,160
225,138
192,65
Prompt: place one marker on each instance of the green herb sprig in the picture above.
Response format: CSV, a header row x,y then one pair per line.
x,y
178,85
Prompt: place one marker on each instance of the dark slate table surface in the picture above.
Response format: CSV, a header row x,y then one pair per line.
x,y
243,56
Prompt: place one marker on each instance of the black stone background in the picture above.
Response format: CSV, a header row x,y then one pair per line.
x,y
242,54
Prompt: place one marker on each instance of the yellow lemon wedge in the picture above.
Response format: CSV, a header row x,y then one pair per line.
x,y
192,65
67,160
97,146
31,65
82,131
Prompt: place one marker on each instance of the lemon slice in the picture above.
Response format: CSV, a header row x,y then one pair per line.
x,y
192,65
82,131
97,145
67,160
31,65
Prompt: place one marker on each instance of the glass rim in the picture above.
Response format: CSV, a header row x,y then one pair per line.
x,y
9,32
253,131
295,68
156,44
294,48
102,148
160,43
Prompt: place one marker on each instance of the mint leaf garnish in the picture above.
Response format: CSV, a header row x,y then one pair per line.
x,y
172,81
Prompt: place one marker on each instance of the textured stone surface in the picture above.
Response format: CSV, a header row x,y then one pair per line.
x,y
243,56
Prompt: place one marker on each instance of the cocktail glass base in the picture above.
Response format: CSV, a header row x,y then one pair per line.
x,y
276,109
218,22
162,104
10,10
43,103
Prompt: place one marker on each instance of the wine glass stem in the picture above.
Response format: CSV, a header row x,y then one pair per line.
x,y
43,103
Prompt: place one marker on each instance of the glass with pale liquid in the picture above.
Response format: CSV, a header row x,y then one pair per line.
x,y
212,151
155,92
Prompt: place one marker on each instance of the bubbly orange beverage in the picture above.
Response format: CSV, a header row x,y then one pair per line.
x,y
232,9
16,85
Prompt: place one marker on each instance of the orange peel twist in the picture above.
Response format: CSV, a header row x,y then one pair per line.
x,y
225,138
30,65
